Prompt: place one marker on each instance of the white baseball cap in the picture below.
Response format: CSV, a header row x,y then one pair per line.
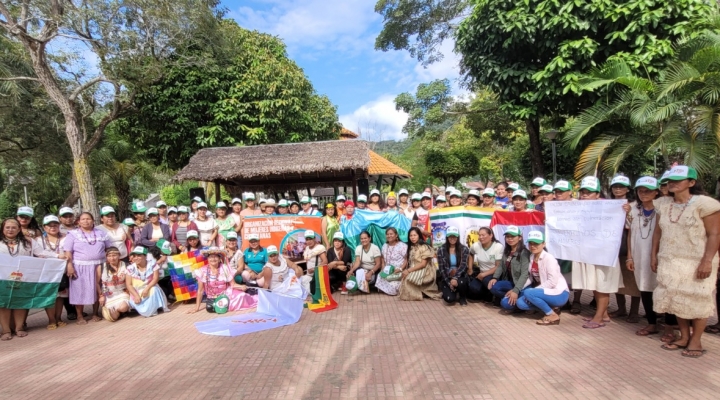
x,y
402,192
182,209
310,234
488,192
66,210
202,204
449,189
231,235
440,198
107,210
153,210
452,231
362,198
272,250
192,233
513,186
249,196
426,195
314,202
305,199
474,192
253,236
536,237
340,198
620,180
26,211
374,191
220,204
520,193
338,236
236,200
50,218
172,210
160,204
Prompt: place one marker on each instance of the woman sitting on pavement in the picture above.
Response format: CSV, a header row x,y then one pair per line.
x,y
394,259
250,265
215,279
112,285
487,253
368,262
314,256
141,281
339,259
548,289
511,276
453,259
419,277
277,268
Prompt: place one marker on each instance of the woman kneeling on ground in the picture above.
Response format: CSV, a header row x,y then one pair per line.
x,y
339,258
419,277
510,278
215,279
453,259
549,290
112,285
141,281
368,262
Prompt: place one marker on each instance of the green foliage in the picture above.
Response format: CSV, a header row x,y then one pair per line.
x,y
450,166
426,109
247,92
7,206
178,194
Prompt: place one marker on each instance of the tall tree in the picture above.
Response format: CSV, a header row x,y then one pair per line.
x,y
248,92
127,41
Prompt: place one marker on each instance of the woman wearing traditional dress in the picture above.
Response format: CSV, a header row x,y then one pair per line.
x,y
52,243
277,268
216,278
375,203
119,233
179,230
30,227
394,253
141,282
330,224
14,243
207,227
85,250
620,188
112,286
685,256
419,277
368,262
339,258
225,223
601,279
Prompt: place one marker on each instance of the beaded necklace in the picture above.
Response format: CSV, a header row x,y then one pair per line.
x,y
682,210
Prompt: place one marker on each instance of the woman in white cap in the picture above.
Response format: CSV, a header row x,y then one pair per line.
x,y
194,202
225,223
52,244
162,212
282,207
519,201
453,260
30,227
488,198
307,209
547,290
601,279
250,209
487,253
422,215
232,250
236,214
112,286
207,227
473,198
391,203
250,265
179,230
418,279
67,220
620,190
685,256
440,201
340,206
544,194
339,258
138,210
141,281
277,269
375,203
119,233
456,199
314,256
368,262
403,197
217,278
394,261
193,241
415,201
361,202
511,276
294,207
172,216
154,230
315,205
330,223
535,186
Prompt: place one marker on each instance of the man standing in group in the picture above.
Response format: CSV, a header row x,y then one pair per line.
x,y
67,220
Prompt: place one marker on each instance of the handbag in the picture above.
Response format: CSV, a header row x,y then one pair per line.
x,y
394,277
417,277
221,304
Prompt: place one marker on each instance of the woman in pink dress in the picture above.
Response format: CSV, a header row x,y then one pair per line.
x,y
218,278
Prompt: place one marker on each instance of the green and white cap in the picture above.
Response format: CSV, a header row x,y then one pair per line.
x,y
441,198
351,285
196,199
220,204
620,180
590,183
514,186
164,246
452,231
107,210
129,222
305,200
520,193
474,192
232,235
489,192
65,211
546,188
682,172
388,270
139,250
160,204
202,204
647,182
312,201
338,236
362,199
455,193
563,186
25,211
428,195
513,230
402,192
249,196
449,189
374,191
283,203
272,250
536,237
192,233
664,177
416,196
50,219
236,200
309,234
252,236
262,201
182,209
538,182
154,211
172,210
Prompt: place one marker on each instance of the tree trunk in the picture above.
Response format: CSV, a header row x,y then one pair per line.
x,y
122,191
533,129
74,195
85,185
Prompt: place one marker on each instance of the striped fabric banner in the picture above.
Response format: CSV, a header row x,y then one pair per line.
x,y
322,300
467,219
29,282
526,221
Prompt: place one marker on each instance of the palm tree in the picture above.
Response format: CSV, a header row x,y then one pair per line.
x,y
675,114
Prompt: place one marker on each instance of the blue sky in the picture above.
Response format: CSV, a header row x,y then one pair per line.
x,y
333,42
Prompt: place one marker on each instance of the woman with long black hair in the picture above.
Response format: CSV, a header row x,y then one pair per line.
x,y
418,279
487,253
511,276
620,190
453,260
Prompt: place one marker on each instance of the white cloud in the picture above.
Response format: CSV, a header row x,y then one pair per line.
x,y
377,120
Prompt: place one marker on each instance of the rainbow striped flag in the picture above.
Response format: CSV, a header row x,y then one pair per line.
x,y
181,267
322,300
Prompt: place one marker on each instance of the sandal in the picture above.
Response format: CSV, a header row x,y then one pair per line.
x,y
547,322
593,325
21,333
646,332
693,353
52,327
576,308
588,319
60,324
5,336
672,346
668,338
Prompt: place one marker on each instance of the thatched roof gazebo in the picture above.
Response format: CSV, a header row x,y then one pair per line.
x,y
291,166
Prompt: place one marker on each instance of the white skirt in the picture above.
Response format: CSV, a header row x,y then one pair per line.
x,y
596,277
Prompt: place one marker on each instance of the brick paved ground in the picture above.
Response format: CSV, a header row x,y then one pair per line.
x,y
371,347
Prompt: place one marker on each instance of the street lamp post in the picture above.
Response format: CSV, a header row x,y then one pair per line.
x,y
24,181
552,134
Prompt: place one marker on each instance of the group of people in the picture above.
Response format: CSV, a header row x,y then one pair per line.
x,y
668,259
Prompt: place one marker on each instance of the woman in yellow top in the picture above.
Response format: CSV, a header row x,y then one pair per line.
x,y
330,224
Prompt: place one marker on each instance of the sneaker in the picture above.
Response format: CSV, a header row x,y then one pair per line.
x,y
462,302
343,290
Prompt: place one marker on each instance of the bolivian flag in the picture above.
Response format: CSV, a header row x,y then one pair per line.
x,y
29,282
322,300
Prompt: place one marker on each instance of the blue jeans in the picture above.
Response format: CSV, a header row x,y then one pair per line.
x,y
500,289
536,299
